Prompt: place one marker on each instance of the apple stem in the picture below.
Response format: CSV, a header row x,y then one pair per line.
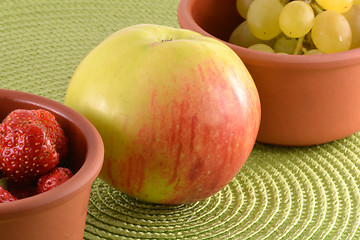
x,y
167,40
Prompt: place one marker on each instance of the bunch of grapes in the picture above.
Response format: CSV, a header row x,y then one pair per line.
x,y
299,27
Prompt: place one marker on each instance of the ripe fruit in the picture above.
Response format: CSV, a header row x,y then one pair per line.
x,y
243,36
296,19
178,112
331,32
5,196
25,151
339,6
263,18
261,47
321,26
353,17
285,45
242,7
31,142
54,131
53,179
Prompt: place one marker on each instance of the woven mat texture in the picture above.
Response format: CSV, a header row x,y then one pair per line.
x,y
280,193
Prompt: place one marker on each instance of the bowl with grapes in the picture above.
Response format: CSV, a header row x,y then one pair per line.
x,y
306,98
59,213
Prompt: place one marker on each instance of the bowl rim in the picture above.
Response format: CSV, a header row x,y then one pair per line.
x,y
258,58
87,172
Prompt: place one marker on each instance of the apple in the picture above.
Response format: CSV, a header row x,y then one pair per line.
x,y
178,112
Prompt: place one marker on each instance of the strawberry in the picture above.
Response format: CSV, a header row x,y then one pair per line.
x,y
43,118
26,152
54,131
5,196
53,179
1,131
20,117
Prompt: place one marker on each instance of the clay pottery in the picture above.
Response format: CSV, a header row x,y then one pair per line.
x,y
60,213
305,100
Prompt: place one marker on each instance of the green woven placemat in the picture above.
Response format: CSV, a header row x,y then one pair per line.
x,y
280,193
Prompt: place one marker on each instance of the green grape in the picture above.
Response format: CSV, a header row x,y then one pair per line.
x,y
263,18
262,47
331,32
285,45
242,36
353,17
296,19
313,52
339,6
242,7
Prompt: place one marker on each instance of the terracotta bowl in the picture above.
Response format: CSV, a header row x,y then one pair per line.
x,y
61,212
306,100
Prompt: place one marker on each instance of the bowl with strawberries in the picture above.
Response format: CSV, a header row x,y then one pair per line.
x,y
304,57
49,157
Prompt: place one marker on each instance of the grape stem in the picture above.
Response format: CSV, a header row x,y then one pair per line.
x,y
317,8
299,46
285,1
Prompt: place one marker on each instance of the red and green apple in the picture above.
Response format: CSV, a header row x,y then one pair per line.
x,y
178,112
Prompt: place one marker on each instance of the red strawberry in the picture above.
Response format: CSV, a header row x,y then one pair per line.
x,y
5,196
25,150
1,131
53,179
54,130
20,117
44,118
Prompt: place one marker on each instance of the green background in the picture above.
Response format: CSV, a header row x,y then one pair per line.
x,y
280,193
